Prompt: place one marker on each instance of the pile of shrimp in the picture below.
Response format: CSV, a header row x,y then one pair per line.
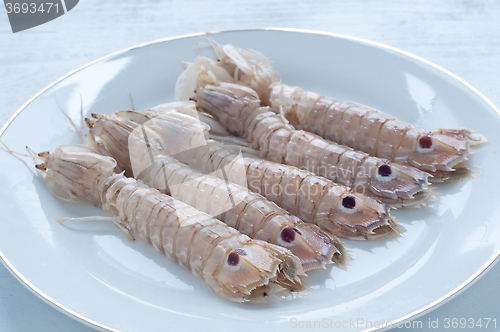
x,y
246,182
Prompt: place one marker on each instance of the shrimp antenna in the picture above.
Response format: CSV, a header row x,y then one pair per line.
x,y
207,34
30,150
67,116
22,154
131,100
41,157
185,63
81,110
211,41
220,18
196,48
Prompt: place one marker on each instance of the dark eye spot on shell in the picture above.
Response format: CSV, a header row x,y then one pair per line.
x,y
384,170
265,294
288,235
240,252
233,259
425,142
349,202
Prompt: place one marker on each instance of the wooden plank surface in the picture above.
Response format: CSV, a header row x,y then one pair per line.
x,y
462,36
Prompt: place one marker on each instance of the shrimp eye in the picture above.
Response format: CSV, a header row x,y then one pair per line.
x,y
349,202
384,170
425,142
233,258
288,235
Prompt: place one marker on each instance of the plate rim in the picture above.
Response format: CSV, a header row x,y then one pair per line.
x,y
91,323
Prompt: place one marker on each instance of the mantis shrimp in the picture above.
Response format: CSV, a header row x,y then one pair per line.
x,y
237,107
232,203
234,266
334,208
440,152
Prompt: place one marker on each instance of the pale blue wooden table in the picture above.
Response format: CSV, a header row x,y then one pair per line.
x,y
462,36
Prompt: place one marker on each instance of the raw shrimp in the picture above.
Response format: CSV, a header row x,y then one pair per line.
x,y
440,151
334,208
248,212
237,107
233,265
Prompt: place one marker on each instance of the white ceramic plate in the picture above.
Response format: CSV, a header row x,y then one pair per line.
x,y
91,271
